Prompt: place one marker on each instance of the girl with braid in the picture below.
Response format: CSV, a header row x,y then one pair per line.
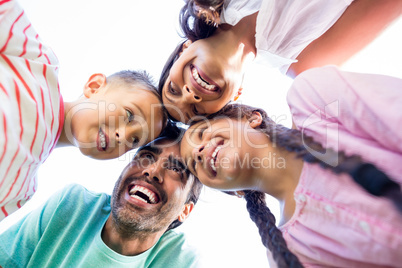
x,y
223,37
336,173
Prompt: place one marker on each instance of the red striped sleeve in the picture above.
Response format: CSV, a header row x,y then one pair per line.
x,y
4,90
15,181
10,33
4,211
4,1
17,95
50,97
24,47
5,138
40,46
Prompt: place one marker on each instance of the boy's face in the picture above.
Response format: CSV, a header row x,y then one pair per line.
x,y
115,119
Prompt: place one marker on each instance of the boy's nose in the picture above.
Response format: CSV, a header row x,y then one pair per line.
x,y
130,135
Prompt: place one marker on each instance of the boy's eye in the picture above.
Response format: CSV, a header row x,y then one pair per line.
x,y
130,115
135,141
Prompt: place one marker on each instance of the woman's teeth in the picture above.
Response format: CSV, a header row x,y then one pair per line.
x,y
200,81
213,159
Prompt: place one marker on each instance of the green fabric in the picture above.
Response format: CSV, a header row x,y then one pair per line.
x,y
65,232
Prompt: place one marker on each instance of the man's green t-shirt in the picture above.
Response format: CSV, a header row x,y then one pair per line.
x,y
66,232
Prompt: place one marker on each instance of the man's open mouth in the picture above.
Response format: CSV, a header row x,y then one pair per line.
x,y
143,194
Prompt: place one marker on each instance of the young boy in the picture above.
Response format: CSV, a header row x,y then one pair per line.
x,y
115,113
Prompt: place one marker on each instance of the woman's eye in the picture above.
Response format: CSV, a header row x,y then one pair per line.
x,y
171,89
130,115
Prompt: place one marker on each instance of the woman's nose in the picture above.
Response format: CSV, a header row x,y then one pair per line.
x,y
190,96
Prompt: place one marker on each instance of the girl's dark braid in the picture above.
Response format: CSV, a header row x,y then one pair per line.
x,y
271,236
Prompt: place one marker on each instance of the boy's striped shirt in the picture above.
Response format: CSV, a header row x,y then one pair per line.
x,y
31,107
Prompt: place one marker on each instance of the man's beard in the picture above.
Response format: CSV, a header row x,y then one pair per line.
x,y
131,221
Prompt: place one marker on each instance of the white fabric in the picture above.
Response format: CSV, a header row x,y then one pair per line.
x,y
234,10
285,27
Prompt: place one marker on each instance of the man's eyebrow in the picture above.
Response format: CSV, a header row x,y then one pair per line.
x,y
149,148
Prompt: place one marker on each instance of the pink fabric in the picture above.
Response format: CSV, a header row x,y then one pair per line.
x,y
336,222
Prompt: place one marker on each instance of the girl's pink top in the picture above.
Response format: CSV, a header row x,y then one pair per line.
x,y
336,223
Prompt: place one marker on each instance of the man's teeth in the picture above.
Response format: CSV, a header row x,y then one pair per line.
x,y
212,161
102,139
145,192
201,82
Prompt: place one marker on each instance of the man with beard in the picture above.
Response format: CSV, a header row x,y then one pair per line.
x,y
78,228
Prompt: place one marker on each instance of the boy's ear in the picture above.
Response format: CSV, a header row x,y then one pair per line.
x,y
185,46
186,211
255,120
94,83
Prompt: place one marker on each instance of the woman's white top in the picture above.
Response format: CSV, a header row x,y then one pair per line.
x,y
285,27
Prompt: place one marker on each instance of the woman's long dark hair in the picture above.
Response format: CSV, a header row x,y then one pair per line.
x,y
199,18
366,175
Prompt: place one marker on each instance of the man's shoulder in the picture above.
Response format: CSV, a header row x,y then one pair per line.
x,y
173,246
79,195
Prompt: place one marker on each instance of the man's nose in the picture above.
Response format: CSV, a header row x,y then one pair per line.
x,y
190,96
153,172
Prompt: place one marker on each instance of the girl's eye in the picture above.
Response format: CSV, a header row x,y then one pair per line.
x,y
195,111
130,115
201,132
175,169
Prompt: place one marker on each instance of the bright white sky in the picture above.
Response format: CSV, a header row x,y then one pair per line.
x,y
91,36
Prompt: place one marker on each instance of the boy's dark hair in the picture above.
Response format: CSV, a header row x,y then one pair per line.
x,y
135,77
